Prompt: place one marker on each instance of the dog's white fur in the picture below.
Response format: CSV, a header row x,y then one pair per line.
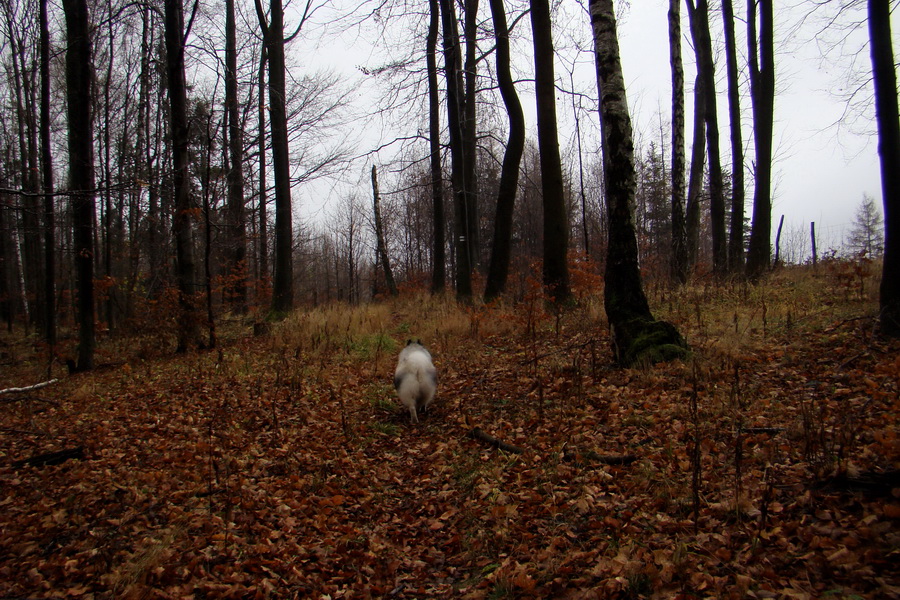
x,y
415,379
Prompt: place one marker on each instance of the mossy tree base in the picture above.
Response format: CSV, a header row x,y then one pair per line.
x,y
645,341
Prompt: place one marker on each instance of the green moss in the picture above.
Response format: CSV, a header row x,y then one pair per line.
x,y
651,342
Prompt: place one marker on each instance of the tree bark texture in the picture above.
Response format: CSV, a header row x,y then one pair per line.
x,y
885,78
439,257
638,337
556,224
455,124
762,95
700,33
188,325
679,260
736,234
79,78
235,175
498,270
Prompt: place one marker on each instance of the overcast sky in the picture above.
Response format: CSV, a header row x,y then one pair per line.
x,y
821,170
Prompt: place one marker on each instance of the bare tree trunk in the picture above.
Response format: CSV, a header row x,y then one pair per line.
x,y
762,94
777,261
188,319
236,219
679,264
736,235
439,258
263,179
470,139
455,124
47,171
498,270
283,290
556,225
79,77
699,20
638,337
885,78
379,236
695,178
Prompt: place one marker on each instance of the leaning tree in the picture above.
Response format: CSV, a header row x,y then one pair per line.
x,y
637,336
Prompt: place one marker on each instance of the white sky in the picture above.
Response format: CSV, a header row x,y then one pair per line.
x,y
821,171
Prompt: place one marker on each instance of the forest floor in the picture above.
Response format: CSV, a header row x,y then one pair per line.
x,y
282,465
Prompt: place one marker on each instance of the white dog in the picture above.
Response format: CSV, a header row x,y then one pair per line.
x,y
415,378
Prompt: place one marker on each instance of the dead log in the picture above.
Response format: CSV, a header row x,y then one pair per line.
x,y
51,458
606,459
490,440
37,386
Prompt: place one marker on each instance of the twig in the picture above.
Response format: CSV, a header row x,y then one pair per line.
x,y
52,458
37,386
490,440
606,459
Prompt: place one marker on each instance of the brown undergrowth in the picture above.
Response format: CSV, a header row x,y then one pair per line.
x,y
282,465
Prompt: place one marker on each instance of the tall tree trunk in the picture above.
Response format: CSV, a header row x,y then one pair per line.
x,y
107,173
47,171
679,264
188,319
762,94
498,270
470,138
638,337
885,78
439,258
455,124
28,171
236,219
695,178
699,21
379,236
263,217
736,235
556,224
283,291
79,77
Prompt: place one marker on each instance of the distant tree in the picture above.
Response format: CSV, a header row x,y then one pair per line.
x,y
381,246
79,77
637,336
867,232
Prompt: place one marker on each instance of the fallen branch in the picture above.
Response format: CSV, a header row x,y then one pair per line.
x,y
52,458
490,440
37,386
606,459
756,430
